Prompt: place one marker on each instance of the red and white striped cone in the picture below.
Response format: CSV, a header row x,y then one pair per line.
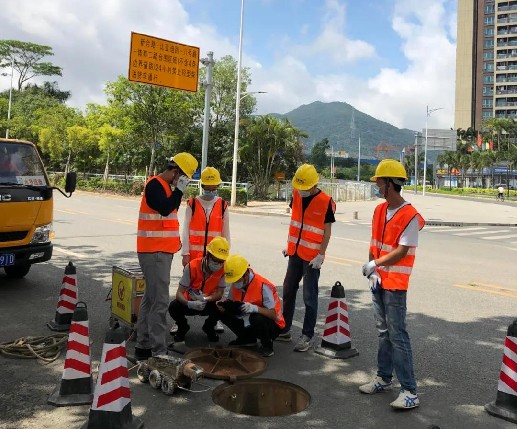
x,y
67,301
111,406
76,384
335,342
505,405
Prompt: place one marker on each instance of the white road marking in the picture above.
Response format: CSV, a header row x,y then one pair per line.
x,y
484,232
499,236
442,229
70,253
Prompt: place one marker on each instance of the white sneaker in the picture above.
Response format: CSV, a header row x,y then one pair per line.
x,y
377,385
219,327
174,329
406,400
303,344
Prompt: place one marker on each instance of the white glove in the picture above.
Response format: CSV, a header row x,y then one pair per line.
x,y
369,268
375,283
196,295
182,183
317,261
248,308
196,305
284,252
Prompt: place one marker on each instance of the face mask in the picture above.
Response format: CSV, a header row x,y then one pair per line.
x,y
214,266
304,194
209,195
377,192
239,284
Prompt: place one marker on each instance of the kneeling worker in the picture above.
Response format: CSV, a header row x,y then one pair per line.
x,y
259,315
201,285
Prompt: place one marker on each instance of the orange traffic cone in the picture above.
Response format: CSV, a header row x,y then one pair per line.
x,y
111,406
76,383
67,301
335,342
505,405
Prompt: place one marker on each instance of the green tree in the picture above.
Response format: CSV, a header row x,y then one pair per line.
x,y
318,154
25,58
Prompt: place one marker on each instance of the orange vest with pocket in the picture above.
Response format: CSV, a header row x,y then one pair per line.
x,y
202,230
198,281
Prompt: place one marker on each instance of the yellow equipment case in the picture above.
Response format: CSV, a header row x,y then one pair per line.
x,y
127,290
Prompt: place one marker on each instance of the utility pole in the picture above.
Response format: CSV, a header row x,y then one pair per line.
x,y
208,62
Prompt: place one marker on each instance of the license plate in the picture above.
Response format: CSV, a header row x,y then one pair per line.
x,y
6,259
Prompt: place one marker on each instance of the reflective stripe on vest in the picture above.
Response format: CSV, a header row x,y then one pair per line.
x,y
197,279
157,233
307,227
385,239
201,230
253,295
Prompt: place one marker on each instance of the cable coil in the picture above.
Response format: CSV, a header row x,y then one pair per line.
x,y
46,349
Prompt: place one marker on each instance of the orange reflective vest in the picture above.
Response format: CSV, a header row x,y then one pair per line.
x,y
385,239
307,227
253,295
203,230
157,233
198,281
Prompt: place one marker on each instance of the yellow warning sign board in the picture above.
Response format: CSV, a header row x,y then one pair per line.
x,y
121,297
164,63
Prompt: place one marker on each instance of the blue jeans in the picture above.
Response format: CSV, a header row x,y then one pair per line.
x,y
297,269
394,344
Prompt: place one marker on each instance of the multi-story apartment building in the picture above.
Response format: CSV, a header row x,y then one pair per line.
x,y
486,62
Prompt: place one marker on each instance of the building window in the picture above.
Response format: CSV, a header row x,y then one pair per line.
x,y
487,102
488,67
488,79
489,43
488,55
489,20
489,8
489,31
487,114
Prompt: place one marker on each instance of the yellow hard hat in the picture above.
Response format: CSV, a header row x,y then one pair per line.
x,y
234,268
219,248
186,162
305,178
390,168
210,176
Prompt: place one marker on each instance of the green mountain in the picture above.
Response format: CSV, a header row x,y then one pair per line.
x,y
334,122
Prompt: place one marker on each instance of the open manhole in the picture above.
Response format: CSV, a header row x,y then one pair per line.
x,y
262,397
227,363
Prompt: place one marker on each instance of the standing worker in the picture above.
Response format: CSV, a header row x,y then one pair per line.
x,y
206,217
309,235
158,238
394,239
259,315
500,193
200,287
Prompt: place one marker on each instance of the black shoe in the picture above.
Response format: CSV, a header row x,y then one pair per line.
x,y
243,342
180,335
142,354
212,336
266,349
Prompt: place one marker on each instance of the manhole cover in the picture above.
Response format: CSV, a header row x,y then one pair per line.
x,y
227,363
262,397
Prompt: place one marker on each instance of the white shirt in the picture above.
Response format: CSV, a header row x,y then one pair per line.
x,y
207,205
410,235
500,190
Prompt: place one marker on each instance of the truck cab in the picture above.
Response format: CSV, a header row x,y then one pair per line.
x,y
26,207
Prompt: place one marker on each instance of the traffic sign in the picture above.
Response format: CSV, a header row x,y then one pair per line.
x,y
164,63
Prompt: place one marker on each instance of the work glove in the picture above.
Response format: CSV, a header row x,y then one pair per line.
x,y
317,261
369,268
374,282
182,183
196,305
196,295
248,308
284,252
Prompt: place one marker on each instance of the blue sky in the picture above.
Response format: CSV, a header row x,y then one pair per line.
x,y
387,58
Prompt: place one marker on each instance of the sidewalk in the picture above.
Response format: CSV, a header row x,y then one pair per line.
x,y
435,208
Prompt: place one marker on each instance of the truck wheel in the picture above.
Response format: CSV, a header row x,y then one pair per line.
x,y
142,373
155,379
17,271
168,385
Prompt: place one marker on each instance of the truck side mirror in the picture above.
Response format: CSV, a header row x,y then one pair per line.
x,y
71,180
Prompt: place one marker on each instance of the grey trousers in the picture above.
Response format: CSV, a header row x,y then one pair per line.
x,y
151,326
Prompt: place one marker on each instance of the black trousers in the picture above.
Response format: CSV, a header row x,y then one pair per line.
x,y
261,327
178,312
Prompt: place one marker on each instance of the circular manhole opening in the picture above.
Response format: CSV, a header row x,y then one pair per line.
x,y
262,397
229,363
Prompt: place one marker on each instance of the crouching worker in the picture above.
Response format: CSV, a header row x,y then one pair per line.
x,y
253,310
201,285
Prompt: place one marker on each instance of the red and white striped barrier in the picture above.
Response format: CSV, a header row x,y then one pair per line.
x,y
67,301
335,342
505,405
76,383
111,406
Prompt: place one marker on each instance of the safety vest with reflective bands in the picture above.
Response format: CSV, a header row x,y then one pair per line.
x,y
385,239
157,233
203,230
307,227
198,281
253,295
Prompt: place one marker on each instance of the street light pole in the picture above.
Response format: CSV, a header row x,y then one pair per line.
x,y
416,162
359,160
208,63
10,98
233,198
428,113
